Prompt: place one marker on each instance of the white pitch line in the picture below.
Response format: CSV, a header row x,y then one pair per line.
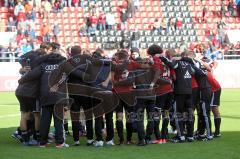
x,y
9,116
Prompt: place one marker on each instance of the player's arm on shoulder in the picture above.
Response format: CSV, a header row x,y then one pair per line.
x,y
31,75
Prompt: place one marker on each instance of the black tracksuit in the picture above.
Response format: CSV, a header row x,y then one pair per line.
x,y
183,97
50,102
27,92
205,101
203,109
103,99
145,100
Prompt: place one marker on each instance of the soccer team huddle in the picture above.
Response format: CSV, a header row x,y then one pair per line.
x,y
164,88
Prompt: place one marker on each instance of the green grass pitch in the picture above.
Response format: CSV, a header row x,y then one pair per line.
x,y
228,146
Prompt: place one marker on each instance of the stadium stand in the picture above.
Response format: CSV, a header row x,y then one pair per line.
x,y
193,28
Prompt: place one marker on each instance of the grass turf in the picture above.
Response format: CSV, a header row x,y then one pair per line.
x,y
225,147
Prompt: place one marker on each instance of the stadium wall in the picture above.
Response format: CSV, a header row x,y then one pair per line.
x,y
227,73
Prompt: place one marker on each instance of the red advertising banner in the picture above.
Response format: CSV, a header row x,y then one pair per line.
x,y
8,83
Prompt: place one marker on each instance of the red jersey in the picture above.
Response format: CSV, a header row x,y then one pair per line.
x,y
213,82
194,82
158,65
167,74
122,75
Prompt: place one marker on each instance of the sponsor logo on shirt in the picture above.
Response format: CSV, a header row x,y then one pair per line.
x,y
187,75
50,68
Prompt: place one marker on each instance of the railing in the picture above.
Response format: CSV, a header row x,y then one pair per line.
x,y
232,55
4,28
9,56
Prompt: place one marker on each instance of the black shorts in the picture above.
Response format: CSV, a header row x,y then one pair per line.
x,y
216,98
27,104
165,101
36,108
121,105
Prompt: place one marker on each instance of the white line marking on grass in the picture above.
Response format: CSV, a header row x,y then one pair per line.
x,y
9,116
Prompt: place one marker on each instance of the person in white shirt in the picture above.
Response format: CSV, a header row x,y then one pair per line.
x,y
110,21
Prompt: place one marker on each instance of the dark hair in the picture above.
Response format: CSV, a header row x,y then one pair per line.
x,y
55,45
97,53
76,50
45,45
134,49
154,49
122,54
185,54
170,52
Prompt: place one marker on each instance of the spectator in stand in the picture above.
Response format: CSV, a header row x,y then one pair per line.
x,y
82,3
214,39
171,25
83,30
2,25
125,43
91,31
22,25
156,26
30,33
38,4
163,25
178,24
25,46
45,32
11,25
21,15
135,38
28,7
123,4
93,20
47,7
34,14
69,3
230,8
110,21
130,8
237,47
124,17
222,10
102,21
136,4
19,8
56,31
8,3
75,3
57,7
93,7
204,12
29,22
221,32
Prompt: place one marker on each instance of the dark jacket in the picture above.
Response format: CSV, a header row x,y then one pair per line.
x,y
135,36
29,88
203,80
41,73
184,72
